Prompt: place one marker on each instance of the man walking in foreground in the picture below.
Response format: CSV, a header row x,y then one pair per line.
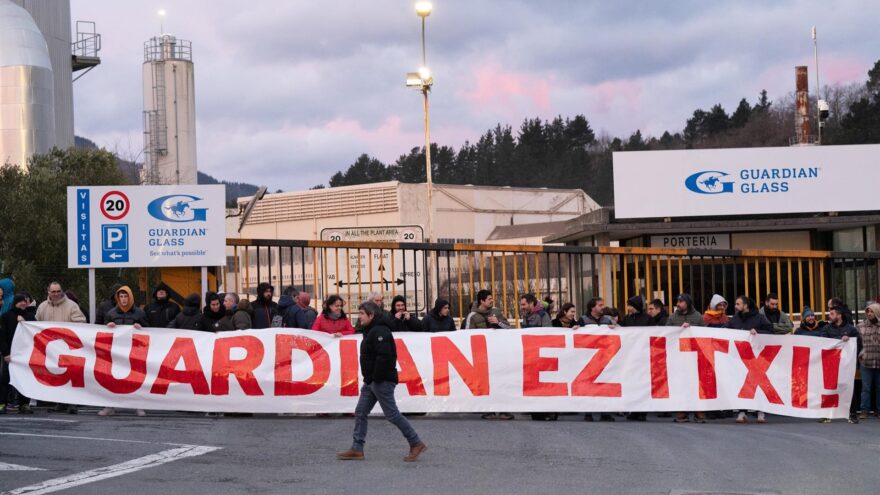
x,y
378,365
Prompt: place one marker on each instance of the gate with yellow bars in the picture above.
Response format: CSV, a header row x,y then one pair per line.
x,y
423,272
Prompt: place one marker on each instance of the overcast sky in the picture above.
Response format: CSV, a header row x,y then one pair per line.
x,y
290,91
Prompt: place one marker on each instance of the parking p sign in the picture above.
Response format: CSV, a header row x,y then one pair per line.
x,y
138,226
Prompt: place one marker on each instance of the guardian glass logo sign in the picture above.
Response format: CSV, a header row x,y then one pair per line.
x,y
751,180
177,208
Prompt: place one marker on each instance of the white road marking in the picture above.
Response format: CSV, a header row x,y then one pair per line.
x,y
83,438
25,418
5,466
92,475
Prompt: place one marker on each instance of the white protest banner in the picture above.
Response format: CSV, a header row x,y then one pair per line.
x,y
536,370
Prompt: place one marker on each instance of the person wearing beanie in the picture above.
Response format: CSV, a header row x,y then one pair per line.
x,y
685,314
401,319
810,324
241,319
635,313
716,315
190,317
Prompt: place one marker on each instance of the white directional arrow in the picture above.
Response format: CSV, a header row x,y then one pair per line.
x,y
114,256
4,466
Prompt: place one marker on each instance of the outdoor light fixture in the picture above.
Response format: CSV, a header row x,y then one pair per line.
x,y
423,9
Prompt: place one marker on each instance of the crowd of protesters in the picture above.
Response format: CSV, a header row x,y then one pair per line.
x,y
293,309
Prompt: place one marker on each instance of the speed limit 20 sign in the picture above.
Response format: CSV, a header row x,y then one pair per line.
x,y
115,205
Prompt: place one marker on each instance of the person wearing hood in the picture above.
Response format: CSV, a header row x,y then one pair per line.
x,y
126,312
190,317
685,315
484,314
657,312
162,311
214,315
810,325
748,318
106,305
533,313
241,319
567,317
781,322
57,307
401,319
333,319
264,309
287,302
7,293
302,314
10,399
438,319
716,315
635,313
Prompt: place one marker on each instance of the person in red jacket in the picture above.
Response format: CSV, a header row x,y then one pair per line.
x,y
332,319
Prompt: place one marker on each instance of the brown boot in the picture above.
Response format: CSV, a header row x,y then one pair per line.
x,y
350,455
415,451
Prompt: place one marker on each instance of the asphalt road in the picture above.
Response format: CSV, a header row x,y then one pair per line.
x,y
172,453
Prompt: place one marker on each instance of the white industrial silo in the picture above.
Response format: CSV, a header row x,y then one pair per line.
x,y
27,106
169,112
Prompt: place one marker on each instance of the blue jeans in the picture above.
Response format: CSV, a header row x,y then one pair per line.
x,y
870,380
383,393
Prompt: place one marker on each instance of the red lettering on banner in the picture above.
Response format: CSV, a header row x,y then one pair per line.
x,y
474,373
800,376
137,359
348,371
757,375
659,369
409,374
74,367
192,372
243,369
534,364
830,374
284,382
585,383
705,348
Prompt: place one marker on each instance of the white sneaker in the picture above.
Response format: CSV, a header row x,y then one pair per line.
x,y
107,411
141,412
761,418
741,417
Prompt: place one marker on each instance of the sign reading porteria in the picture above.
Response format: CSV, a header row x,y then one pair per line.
x,y
745,181
137,226
535,370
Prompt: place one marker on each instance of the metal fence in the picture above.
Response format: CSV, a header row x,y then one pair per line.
x,y
422,272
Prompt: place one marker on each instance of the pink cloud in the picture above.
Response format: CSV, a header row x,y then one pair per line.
x,y
507,91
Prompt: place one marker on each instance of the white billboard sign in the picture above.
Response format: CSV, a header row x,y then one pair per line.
x,y
745,181
140,226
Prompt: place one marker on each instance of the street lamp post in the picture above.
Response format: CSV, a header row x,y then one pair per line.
x,y
422,80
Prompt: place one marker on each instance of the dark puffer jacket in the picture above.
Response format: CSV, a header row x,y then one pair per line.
x,y
161,313
378,353
190,318
750,320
